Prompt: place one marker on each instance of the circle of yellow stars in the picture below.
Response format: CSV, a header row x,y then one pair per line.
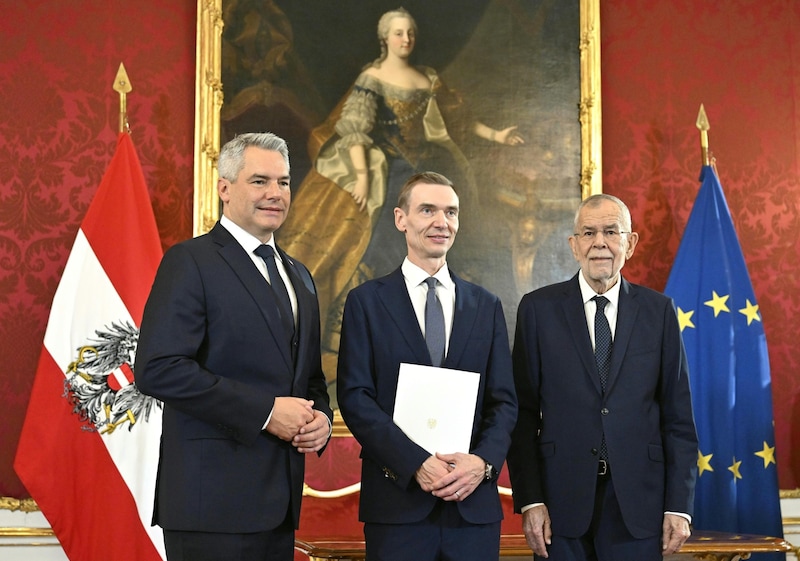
x,y
720,304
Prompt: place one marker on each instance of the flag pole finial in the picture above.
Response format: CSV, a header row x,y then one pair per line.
x,y
702,124
122,84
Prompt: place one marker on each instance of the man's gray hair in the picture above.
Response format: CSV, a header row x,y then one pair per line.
x,y
231,156
595,200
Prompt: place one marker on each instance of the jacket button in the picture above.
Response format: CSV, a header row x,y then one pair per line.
x,y
594,452
604,411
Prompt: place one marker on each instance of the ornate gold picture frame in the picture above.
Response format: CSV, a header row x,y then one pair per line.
x,y
209,98
271,33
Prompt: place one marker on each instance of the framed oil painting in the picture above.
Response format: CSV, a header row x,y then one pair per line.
x,y
497,70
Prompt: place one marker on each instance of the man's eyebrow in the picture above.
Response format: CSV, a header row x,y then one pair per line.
x,y
268,177
604,227
432,205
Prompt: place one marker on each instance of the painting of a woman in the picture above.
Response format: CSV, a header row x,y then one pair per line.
x,y
396,119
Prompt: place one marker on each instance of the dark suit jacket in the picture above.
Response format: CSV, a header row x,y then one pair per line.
x,y
211,349
379,331
646,412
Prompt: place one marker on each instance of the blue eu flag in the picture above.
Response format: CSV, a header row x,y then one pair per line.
x,y
737,485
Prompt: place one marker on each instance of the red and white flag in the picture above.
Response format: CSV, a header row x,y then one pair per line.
x,y
88,451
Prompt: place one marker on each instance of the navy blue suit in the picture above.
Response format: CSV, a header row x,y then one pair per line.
x,y
645,413
211,348
379,331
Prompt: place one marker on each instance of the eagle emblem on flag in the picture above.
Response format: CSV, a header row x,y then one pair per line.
x,y
99,382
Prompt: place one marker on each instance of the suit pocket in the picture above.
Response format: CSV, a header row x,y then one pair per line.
x,y
195,429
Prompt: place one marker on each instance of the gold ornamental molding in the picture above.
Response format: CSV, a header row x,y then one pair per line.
x,y
27,533
21,505
29,505
790,493
208,102
590,106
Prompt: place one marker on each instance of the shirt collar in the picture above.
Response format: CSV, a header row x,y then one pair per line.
x,y
415,275
247,240
587,292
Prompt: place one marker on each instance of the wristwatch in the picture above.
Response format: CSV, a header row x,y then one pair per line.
x,y
490,472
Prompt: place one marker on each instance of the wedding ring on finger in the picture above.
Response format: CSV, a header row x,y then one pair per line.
x,y
457,496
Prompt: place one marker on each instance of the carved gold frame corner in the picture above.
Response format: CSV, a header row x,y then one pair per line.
x,y
208,102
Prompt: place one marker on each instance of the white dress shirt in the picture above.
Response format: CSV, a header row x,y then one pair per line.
x,y
250,243
590,306
418,292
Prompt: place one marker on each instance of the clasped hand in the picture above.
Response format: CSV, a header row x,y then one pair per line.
x,y
451,477
295,420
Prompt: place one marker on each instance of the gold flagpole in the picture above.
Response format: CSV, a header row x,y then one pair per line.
x,y
702,124
122,85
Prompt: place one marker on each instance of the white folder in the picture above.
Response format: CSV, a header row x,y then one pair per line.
x,y
435,407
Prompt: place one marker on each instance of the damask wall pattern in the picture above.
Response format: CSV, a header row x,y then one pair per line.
x,y
58,129
660,60
741,59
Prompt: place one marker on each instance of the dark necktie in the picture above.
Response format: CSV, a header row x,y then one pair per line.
x,y
434,324
602,340
602,352
278,288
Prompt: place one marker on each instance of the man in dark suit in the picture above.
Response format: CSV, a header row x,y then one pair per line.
x,y
603,457
416,505
236,360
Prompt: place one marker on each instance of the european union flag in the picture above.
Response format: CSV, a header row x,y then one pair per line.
x,y
737,486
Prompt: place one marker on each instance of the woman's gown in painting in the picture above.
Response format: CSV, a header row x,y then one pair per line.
x,y
403,131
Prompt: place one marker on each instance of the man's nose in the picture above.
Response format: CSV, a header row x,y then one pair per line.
x,y
599,239
440,218
273,189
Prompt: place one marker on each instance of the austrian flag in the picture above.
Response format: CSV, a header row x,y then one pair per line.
x,y
88,450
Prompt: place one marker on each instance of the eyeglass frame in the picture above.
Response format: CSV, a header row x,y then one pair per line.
x,y
582,236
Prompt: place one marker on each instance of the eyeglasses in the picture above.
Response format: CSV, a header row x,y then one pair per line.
x,y
610,236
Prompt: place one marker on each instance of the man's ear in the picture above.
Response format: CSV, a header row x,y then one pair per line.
x,y
573,245
400,219
223,186
633,239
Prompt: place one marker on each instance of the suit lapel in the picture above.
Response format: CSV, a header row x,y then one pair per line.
x,y
628,309
305,301
576,320
394,298
465,315
254,283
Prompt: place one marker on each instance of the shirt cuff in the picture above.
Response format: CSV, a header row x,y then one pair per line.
x,y
268,418
330,424
681,514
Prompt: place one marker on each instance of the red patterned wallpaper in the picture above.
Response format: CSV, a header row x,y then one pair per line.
x,y
58,125
660,60
741,59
